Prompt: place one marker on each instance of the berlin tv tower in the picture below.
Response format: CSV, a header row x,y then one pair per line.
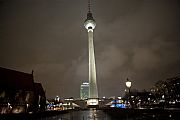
x,y
90,25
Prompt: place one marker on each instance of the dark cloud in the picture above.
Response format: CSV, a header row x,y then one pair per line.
x,y
138,39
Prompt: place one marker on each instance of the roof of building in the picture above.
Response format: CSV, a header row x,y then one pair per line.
x,y
15,80
39,89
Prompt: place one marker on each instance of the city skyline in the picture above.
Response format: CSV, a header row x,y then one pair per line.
x,y
135,39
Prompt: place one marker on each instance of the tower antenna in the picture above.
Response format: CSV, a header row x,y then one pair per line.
x,y
89,6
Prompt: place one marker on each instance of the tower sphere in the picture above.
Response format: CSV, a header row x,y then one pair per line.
x,y
89,22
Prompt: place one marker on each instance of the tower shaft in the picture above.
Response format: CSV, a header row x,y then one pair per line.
x,y
90,25
92,67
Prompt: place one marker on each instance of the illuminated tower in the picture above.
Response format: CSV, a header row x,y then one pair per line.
x,y
90,26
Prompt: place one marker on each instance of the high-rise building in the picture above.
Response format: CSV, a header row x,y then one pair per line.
x,y
90,25
84,90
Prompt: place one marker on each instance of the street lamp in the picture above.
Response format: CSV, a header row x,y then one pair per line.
x,y
128,85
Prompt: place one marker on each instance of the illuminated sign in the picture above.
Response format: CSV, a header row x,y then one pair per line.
x,y
92,101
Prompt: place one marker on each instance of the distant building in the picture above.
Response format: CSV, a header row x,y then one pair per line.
x,y
84,90
167,91
19,93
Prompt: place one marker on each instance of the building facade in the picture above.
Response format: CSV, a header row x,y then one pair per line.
x,y
84,90
19,93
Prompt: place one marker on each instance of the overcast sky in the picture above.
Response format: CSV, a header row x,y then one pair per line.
x,y
138,39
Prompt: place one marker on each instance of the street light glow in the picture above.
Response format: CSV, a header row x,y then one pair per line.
x,y
128,84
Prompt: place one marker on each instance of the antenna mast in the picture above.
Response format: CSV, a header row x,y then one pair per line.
x,y
89,6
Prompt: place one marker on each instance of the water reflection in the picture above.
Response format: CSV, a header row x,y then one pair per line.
x,y
57,117
94,114
91,114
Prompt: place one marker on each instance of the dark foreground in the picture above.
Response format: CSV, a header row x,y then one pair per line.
x,y
143,114
33,116
93,114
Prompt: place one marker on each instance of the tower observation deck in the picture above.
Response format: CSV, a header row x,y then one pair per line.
x,y
90,25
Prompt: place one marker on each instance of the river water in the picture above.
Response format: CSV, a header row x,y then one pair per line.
x,y
91,114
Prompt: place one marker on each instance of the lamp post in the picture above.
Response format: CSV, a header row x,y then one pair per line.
x,y
128,85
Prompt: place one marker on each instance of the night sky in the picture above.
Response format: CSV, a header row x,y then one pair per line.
x,y
138,39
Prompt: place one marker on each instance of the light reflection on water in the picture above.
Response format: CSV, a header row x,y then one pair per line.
x,y
91,114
